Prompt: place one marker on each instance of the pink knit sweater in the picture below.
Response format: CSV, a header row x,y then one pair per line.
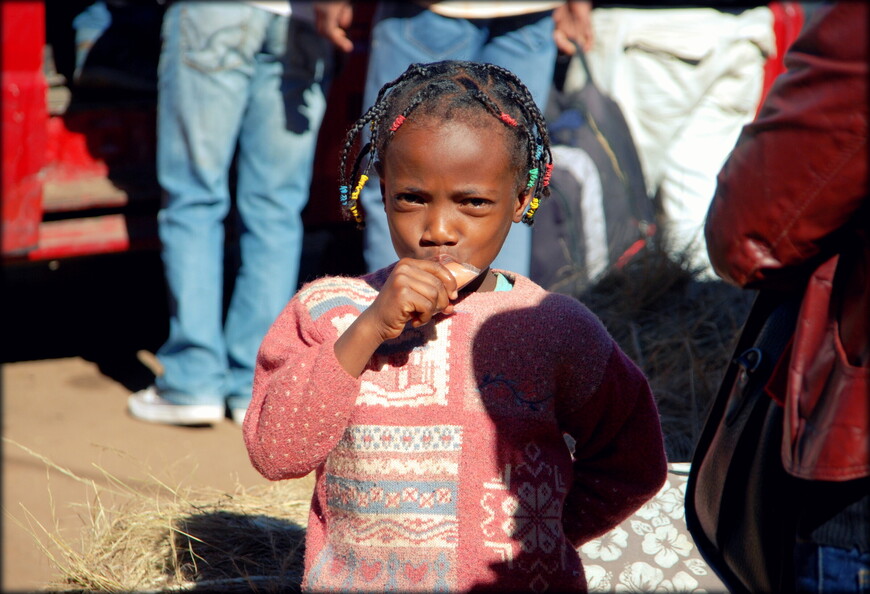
x,y
444,466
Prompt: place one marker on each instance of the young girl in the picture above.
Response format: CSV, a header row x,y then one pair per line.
x,y
435,414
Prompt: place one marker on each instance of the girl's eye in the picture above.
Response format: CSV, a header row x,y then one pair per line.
x,y
475,202
410,198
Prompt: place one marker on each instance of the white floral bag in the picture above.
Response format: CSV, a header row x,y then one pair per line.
x,y
652,550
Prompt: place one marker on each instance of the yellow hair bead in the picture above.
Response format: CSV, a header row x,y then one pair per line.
x,y
359,186
533,207
354,197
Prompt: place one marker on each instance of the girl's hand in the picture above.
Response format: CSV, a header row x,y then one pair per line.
x,y
414,293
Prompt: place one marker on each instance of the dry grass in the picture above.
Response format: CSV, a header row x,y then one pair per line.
x,y
679,330
157,538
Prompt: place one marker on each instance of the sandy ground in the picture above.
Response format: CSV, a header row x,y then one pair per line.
x,y
69,344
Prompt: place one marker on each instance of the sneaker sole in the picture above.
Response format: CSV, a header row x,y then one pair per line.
x,y
187,414
238,415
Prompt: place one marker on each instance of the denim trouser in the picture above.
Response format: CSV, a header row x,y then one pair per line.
x,y
831,569
404,33
227,79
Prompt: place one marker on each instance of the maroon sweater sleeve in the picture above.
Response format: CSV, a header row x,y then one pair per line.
x,y
799,171
620,459
302,399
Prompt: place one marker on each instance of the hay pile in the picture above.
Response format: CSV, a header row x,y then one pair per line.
x,y
158,539
678,329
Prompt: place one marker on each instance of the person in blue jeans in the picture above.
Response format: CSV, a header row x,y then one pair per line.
x,y
244,80
520,36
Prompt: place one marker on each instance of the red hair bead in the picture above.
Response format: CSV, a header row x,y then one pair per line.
x,y
548,170
400,119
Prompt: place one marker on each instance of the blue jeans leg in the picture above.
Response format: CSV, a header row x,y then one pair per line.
x,y
822,569
403,34
276,153
205,66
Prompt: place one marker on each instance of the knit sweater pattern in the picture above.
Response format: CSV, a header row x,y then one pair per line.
x,y
444,466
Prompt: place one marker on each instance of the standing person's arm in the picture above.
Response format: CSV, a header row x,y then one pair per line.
x,y
332,20
799,171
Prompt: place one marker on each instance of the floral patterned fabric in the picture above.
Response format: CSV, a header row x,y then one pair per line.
x,y
652,550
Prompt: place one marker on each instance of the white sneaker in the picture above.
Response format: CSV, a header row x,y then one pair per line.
x,y
147,405
238,415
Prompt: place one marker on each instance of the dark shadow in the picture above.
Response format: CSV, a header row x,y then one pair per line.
x,y
232,552
103,309
679,331
524,504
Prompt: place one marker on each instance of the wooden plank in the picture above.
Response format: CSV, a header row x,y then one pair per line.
x,y
94,235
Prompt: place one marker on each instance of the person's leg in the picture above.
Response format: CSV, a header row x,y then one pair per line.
x,y
402,34
701,147
686,80
647,60
524,45
205,66
276,153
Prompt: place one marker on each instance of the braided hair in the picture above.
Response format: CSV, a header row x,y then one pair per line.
x,y
451,89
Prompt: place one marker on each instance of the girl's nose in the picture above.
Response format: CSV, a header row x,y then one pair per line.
x,y
438,230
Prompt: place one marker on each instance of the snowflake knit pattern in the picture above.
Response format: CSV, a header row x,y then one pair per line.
x,y
444,466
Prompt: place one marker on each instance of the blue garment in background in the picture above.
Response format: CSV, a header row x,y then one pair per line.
x,y
227,78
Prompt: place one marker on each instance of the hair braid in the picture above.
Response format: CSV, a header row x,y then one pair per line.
x,y
452,89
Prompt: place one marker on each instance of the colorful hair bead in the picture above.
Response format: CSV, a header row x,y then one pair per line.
x,y
507,119
343,191
400,119
533,206
354,198
548,171
533,177
539,151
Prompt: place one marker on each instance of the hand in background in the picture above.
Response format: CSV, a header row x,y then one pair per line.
x,y
573,23
332,20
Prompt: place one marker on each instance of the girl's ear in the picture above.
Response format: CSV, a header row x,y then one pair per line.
x,y
522,203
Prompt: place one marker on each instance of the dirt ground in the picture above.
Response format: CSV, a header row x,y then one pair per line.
x,y
74,338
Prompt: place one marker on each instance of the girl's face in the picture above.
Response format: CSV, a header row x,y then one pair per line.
x,y
449,188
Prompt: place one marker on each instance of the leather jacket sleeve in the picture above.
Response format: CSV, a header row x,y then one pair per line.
x,y
798,173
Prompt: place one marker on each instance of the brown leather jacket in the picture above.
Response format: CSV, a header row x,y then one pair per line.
x,y
792,212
